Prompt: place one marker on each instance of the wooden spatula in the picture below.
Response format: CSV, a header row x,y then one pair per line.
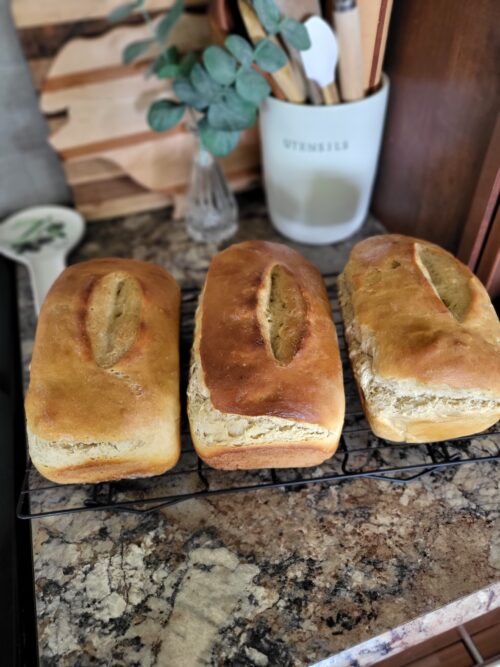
x,y
300,10
348,29
374,16
287,78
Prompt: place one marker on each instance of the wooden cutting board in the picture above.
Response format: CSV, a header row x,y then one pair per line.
x,y
31,13
300,9
96,108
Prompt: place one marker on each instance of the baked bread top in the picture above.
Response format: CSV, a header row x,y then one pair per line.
x,y
422,316
105,360
268,343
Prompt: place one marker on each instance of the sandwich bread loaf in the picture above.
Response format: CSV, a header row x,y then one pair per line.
x,y
423,339
103,398
265,387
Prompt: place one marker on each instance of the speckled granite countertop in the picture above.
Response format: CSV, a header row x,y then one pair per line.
x,y
271,578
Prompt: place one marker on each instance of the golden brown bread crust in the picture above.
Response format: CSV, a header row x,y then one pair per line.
x,y
415,430
107,471
266,380
418,345
240,371
122,409
268,455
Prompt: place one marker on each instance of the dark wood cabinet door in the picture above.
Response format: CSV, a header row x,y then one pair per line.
x,y
443,60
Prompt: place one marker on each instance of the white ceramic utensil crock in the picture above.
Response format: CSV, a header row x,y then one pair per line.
x,y
320,164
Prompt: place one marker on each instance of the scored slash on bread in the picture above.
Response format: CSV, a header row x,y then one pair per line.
x,y
423,340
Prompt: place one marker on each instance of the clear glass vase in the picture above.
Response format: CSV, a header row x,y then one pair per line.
x,y
211,208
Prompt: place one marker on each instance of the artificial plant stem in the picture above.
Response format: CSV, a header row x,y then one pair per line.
x,y
147,18
192,119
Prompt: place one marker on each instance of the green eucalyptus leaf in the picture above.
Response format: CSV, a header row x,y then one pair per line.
x,y
218,142
135,49
122,11
164,114
169,20
169,71
186,93
269,56
252,86
231,112
295,34
240,48
220,65
166,65
187,63
269,15
204,84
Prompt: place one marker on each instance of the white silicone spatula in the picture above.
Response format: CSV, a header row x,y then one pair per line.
x,y
320,60
41,238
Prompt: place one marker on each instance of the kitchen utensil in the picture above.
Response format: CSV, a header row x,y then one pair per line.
x,y
320,60
288,78
41,237
220,19
312,89
348,29
374,16
301,10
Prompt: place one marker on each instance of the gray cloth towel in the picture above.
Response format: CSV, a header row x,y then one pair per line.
x,y
30,171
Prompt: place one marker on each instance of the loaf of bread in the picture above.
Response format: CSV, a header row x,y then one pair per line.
x,y
265,386
423,339
103,398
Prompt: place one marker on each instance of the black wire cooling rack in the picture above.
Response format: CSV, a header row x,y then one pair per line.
x,y
360,454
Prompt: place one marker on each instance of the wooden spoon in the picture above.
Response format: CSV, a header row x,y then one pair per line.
x,y
287,78
348,28
301,10
220,19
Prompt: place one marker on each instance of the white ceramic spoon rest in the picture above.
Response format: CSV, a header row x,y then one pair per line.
x,y
41,238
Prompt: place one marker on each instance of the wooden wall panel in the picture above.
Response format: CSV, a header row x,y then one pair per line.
x,y
443,60
488,268
484,204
